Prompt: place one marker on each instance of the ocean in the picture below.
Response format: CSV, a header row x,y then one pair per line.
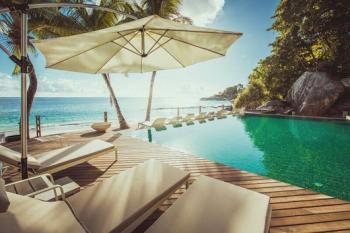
x,y
70,114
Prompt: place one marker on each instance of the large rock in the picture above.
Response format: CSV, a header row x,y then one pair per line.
x,y
314,93
346,83
342,105
273,106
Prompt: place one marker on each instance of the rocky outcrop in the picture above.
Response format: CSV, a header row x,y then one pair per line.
x,y
273,106
314,93
342,105
346,83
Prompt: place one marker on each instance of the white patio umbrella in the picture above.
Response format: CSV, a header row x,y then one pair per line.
x,y
144,45
23,7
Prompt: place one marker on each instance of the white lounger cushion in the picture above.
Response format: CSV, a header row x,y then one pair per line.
x,y
14,158
4,201
72,153
29,215
211,206
116,203
55,158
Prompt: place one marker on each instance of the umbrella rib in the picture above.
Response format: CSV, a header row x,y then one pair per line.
x,y
160,45
167,51
87,50
107,60
184,30
209,50
128,41
156,41
123,47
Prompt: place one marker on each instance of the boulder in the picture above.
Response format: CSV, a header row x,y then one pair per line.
x,y
346,83
314,93
342,105
273,106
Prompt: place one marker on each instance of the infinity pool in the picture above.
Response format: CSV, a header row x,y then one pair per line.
x,y
308,153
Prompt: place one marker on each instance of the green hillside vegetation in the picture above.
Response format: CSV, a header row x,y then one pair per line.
x,y
312,35
229,93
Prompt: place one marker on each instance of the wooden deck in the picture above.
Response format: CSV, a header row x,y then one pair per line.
x,y
294,209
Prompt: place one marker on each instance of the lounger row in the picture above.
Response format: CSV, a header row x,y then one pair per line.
x,y
122,202
189,119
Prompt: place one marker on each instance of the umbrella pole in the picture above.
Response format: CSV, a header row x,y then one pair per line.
x,y
24,115
23,62
150,97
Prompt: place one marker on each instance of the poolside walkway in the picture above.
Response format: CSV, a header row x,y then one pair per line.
x,y
294,209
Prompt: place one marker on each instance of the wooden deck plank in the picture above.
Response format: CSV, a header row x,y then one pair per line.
x,y
294,209
314,227
297,220
312,210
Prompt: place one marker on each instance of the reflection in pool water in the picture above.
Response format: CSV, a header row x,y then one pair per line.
x,y
308,153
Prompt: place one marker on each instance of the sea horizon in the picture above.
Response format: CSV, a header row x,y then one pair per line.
x,y
64,114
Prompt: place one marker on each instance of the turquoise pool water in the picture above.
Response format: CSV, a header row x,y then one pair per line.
x,y
308,153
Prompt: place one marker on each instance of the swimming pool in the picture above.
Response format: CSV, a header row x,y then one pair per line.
x,y
308,153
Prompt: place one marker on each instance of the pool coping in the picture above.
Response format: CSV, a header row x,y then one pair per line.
x,y
320,118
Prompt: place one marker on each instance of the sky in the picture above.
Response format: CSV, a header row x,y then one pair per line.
x,y
250,17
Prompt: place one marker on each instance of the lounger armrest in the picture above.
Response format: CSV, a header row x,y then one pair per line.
x,y
49,176
54,188
3,170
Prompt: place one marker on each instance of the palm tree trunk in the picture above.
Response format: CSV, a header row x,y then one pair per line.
x,y
33,86
149,106
122,122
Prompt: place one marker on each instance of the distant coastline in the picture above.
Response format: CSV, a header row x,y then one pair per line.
x,y
229,94
214,98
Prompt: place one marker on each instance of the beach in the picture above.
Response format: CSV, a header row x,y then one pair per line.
x,y
60,115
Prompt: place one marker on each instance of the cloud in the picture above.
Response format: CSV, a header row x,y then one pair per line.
x,y
9,86
53,85
202,12
74,86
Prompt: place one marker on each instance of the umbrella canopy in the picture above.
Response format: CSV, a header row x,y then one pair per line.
x,y
144,45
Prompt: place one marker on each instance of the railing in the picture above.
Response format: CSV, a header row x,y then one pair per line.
x,y
41,121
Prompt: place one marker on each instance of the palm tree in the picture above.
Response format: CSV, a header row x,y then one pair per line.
x,y
168,9
10,41
10,38
84,20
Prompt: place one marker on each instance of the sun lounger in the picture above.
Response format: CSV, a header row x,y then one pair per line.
x,y
201,117
211,116
222,114
158,124
210,205
118,204
188,119
59,159
127,199
176,121
29,215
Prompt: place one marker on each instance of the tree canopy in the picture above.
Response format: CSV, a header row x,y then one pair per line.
x,y
312,35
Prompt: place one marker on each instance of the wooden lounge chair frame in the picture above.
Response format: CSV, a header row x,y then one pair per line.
x,y
54,187
99,208
44,187
228,209
64,165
